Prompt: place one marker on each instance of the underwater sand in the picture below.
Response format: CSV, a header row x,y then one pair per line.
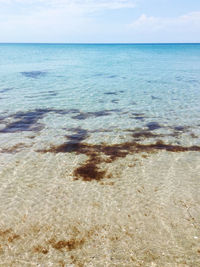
x,y
146,214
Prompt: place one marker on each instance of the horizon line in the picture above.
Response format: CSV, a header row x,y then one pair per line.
x,y
90,43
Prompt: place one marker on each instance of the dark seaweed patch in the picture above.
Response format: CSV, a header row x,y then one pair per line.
x,y
89,171
39,113
160,145
53,94
193,135
2,119
153,126
140,134
73,110
112,76
6,90
73,143
133,103
193,81
78,136
110,93
137,114
43,95
144,134
34,74
81,116
155,98
180,128
179,78
115,101
28,120
64,148
104,153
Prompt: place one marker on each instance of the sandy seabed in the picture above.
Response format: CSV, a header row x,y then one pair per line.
x,y
147,213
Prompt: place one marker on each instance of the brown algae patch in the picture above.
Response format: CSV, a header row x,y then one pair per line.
x,y
8,235
40,249
89,171
193,135
70,244
104,153
145,134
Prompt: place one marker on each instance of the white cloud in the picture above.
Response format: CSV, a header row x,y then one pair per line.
x,y
85,21
53,20
154,24
185,28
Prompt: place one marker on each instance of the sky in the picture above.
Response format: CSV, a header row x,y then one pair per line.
x,y
99,21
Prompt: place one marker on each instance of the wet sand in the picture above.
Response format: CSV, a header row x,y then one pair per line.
x,y
144,212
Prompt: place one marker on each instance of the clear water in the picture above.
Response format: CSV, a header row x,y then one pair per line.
x,y
128,85
144,209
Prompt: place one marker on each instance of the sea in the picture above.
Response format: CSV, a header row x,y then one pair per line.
x,y
99,154
52,89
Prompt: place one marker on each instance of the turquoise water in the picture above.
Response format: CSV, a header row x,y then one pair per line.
x,y
50,90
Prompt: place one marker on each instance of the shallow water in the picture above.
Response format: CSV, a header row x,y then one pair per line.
x,y
99,155
99,87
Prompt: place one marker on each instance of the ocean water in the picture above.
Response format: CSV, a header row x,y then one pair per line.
x,y
48,89
99,155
